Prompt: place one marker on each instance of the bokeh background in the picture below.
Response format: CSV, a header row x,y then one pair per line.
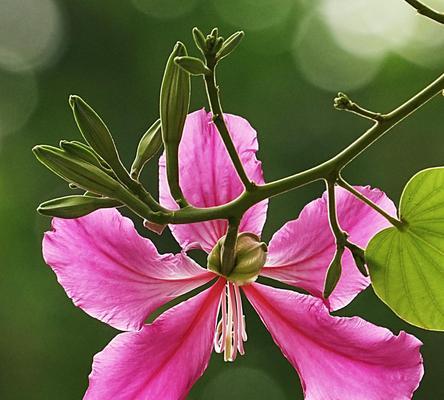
x,y
297,54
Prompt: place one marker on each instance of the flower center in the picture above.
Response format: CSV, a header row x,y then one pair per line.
x,y
230,332
250,256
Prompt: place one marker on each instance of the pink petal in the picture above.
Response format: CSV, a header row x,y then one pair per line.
x,y
301,251
338,358
208,178
164,359
112,273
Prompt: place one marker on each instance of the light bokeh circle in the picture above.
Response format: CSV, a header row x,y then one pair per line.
x,y
254,14
31,34
18,99
165,9
327,65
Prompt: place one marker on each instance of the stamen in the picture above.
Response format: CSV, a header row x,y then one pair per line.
x,y
241,333
230,331
219,339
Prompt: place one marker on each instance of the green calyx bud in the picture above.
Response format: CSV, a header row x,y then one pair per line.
x,y
81,151
174,98
250,257
76,170
200,40
96,133
359,257
342,101
149,145
192,65
174,104
229,45
75,206
333,273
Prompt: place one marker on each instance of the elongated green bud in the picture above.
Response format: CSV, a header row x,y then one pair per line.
x,y
230,44
74,206
96,134
250,257
199,39
75,170
359,257
174,105
82,152
149,145
192,65
333,273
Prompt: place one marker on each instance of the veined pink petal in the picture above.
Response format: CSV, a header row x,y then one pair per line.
x,y
164,359
338,358
114,274
208,178
301,251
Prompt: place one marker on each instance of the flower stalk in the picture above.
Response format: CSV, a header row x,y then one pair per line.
x,y
426,11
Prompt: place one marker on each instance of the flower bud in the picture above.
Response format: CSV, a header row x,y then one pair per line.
x,y
192,65
76,170
75,206
174,104
199,39
149,145
81,151
230,44
95,132
333,273
359,257
250,257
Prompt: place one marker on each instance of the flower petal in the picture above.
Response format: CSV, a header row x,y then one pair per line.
x,y
301,251
112,273
338,358
208,178
164,359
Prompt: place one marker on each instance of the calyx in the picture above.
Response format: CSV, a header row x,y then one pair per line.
x,y
250,257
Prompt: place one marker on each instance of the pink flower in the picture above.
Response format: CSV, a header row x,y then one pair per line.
x,y
118,277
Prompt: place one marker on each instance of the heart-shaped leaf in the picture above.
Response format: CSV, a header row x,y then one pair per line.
x,y
407,264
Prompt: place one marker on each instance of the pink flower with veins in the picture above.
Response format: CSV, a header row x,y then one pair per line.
x,y
118,277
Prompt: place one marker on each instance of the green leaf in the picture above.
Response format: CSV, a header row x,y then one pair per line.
x,y
407,265
149,145
75,206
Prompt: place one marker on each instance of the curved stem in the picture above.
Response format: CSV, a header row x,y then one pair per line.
x,y
329,168
218,119
340,235
229,247
394,221
427,11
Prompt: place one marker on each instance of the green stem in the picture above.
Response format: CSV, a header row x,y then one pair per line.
x,y
394,221
340,235
218,119
229,247
329,168
426,11
338,162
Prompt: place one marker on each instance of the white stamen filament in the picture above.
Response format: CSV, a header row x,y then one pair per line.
x,y
230,331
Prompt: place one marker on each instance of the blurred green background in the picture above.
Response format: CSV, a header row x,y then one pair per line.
x,y
283,78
